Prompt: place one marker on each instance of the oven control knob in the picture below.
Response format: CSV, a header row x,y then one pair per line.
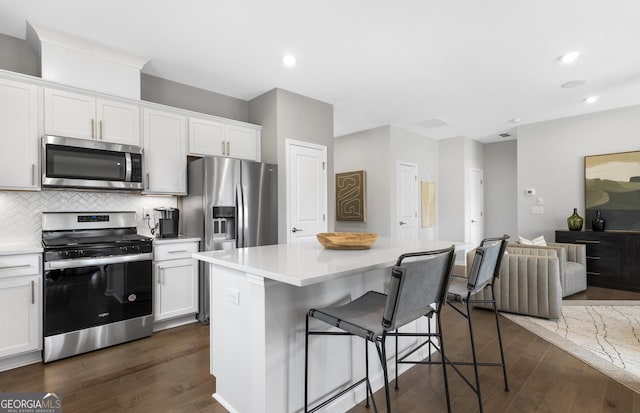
x,y
123,249
65,253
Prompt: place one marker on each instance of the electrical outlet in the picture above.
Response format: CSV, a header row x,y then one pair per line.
x,y
234,296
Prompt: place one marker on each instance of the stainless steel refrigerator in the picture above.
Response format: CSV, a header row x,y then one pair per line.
x,y
231,203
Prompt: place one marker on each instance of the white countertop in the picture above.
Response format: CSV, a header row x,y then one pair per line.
x,y
20,248
308,263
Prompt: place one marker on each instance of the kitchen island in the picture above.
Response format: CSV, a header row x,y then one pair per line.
x,y
259,299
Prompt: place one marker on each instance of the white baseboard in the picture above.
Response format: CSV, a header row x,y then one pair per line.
x,y
174,322
14,362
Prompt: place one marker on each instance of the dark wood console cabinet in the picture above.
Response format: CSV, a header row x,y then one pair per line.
x,y
613,258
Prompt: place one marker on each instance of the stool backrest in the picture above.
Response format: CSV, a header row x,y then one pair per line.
x,y
417,284
486,262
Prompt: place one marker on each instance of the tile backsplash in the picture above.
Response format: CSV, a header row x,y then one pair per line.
x,y
20,212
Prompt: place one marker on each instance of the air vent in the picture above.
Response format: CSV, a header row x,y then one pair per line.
x,y
433,123
504,135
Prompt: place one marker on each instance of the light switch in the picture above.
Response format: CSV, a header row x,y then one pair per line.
x,y
537,210
539,200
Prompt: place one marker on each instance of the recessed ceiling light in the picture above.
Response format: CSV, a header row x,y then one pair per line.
x,y
573,83
289,60
515,120
591,99
569,57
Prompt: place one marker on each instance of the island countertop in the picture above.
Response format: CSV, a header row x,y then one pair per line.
x,y
308,263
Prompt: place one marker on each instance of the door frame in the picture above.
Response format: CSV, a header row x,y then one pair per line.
x,y
288,144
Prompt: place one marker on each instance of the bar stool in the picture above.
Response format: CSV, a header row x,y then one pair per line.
x,y
485,269
415,285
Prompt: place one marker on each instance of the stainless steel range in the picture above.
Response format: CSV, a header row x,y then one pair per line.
x,y
97,282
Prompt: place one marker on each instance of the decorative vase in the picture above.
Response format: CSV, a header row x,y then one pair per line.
x,y
575,221
597,224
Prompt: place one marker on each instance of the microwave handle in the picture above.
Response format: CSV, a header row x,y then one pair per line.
x,y
128,167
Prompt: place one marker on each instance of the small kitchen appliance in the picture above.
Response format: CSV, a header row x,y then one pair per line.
x,y
167,222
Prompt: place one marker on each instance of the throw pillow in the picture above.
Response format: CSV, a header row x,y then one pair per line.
x,y
539,241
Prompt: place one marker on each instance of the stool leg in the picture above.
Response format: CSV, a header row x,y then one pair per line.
x,y
380,346
444,363
396,385
306,364
473,352
366,364
504,366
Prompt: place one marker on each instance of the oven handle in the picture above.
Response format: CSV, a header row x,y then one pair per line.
x,y
93,261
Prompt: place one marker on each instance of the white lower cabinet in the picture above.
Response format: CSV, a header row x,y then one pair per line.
x,y
20,305
176,280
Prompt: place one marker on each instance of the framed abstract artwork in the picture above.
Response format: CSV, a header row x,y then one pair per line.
x,y
351,196
612,186
428,204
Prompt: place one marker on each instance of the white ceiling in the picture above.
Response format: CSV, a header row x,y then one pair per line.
x,y
475,64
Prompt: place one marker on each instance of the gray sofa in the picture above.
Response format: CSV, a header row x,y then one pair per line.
x,y
534,279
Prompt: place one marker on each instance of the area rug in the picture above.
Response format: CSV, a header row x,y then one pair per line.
x,y
603,333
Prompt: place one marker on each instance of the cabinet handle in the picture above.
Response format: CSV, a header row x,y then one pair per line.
x,y
148,186
159,275
176,252
101,130
93,127
33,174
223,148
593,273
33,292
592,258
10,267
586,241
228,148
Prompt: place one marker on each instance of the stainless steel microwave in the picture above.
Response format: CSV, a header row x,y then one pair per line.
x,y
87,164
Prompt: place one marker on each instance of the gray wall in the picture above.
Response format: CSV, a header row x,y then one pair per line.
x,y
18,56
369,151
451,189
300,118
500,187
551,160
377,151
178,95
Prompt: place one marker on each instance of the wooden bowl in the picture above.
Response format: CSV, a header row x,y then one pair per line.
x,y
347,240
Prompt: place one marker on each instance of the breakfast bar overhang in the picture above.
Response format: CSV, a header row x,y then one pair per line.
x,y
259,299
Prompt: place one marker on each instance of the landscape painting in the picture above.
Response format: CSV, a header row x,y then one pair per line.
x,y
612,186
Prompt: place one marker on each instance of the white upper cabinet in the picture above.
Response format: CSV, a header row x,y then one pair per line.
x,y
165,152
206,137
118,122
87,117
18,136
216,138
243,142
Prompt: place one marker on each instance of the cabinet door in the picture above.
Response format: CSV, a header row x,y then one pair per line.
x,y
165,152
242,142
69,114
206,137
176,288
19,315
118,122
18,135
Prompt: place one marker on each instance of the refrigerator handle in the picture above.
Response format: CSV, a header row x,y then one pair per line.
x,y
239,216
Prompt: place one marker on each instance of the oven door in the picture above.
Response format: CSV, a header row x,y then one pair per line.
x,y
88,292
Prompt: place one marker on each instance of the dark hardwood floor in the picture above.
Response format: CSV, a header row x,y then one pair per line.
x,y
170,372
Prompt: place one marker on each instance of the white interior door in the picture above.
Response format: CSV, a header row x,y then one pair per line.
x,y
306,190
476,214
406,222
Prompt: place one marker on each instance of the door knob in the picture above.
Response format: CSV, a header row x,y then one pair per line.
x,y
403,223
295,229
473,220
